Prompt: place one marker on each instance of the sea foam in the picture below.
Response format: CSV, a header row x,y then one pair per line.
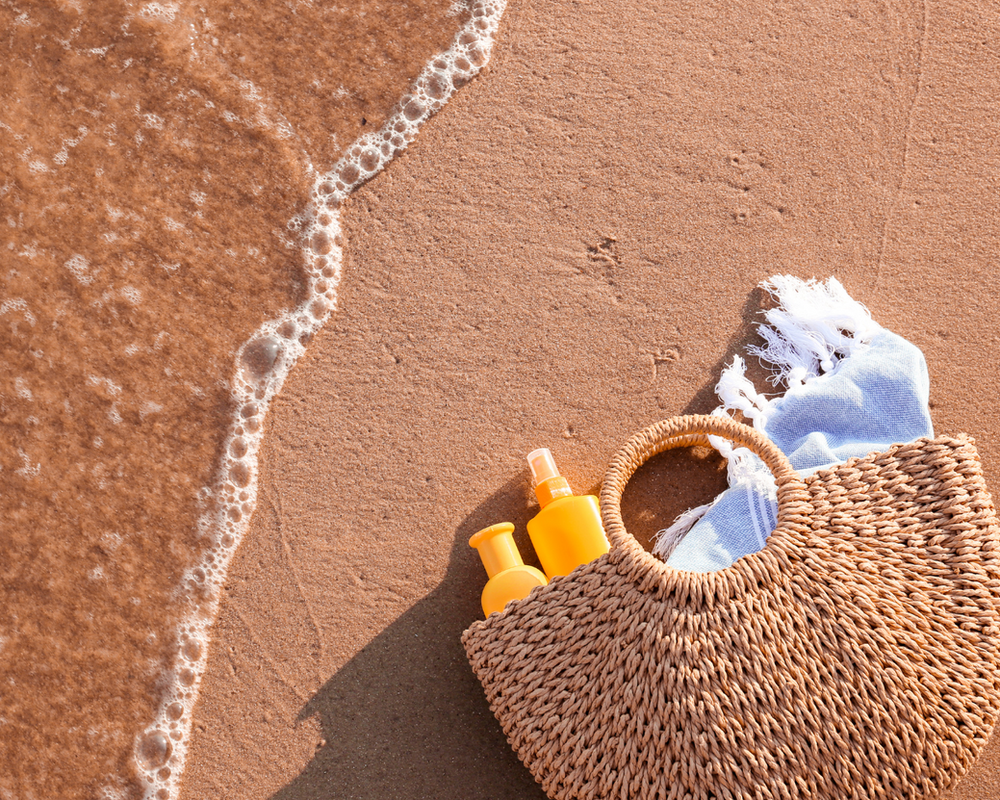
x,y
262,364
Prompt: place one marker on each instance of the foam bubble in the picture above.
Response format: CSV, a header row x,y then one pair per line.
x,y
153,750
161,11
259,357
28,469
18,304
262,365
21,389
79,267
239,474
132,295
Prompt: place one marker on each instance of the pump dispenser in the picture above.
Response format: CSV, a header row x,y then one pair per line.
x,y
567,532
510,578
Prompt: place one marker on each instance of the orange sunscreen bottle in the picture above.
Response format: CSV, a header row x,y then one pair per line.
x,y
510,578
567,532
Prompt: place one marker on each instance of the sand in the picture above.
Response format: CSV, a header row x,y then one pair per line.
x,y
567,253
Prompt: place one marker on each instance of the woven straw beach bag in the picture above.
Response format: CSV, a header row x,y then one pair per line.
x,y
856,656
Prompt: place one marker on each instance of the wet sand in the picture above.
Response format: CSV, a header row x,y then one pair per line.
x,y
567,253
152,157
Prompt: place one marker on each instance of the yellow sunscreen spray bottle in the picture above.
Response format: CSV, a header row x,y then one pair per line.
x,y
510,578
567,532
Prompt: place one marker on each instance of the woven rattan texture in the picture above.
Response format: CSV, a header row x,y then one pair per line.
x,y
855,657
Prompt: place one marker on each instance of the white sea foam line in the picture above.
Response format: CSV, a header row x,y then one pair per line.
x,y
262,364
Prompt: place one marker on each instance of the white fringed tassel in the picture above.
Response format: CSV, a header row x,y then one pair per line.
x,y
666,540
814,327
737,393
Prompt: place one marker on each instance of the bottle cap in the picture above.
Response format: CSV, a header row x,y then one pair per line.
x,y
496,548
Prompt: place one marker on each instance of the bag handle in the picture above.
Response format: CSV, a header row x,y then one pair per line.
x,y
688,431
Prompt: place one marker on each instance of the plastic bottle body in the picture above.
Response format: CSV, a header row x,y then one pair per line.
x,y
515,583
567,533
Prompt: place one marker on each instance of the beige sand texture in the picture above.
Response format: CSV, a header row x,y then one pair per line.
x,y
568,252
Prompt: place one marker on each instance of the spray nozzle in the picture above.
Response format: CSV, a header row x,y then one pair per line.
x,y
543,465
549,484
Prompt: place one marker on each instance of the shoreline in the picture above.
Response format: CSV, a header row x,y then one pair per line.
x,y
262,364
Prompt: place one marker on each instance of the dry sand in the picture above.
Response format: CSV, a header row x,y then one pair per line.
x,y
567,253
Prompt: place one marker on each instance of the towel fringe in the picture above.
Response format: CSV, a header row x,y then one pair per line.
x,y
666,540
814,327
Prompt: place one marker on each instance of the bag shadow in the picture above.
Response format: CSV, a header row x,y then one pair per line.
x,y
405,717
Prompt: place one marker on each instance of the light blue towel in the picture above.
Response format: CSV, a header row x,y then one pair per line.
x,y
853,388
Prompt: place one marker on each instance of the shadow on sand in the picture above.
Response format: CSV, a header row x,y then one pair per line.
x,y
405,718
